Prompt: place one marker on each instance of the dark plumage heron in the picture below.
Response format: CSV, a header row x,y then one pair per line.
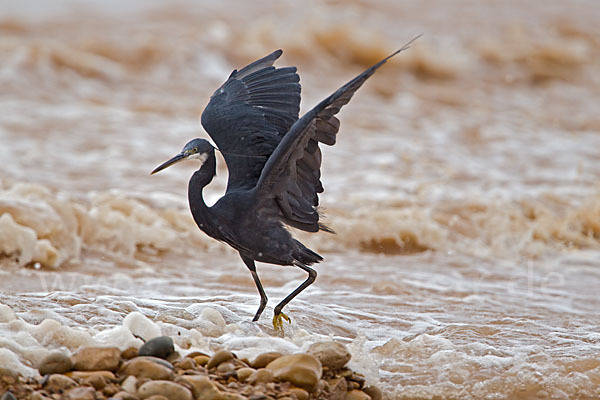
x,y
274,162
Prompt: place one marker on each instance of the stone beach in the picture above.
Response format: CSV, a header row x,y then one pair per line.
x,y
156,371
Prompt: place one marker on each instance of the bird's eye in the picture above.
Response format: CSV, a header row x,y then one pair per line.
x,y
195,150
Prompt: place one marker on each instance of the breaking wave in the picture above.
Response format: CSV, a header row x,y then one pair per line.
x,y
49,228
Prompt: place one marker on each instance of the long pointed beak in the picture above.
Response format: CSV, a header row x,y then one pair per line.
x,y
179,157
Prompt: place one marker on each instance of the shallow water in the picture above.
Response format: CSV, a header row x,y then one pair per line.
x,y
463,188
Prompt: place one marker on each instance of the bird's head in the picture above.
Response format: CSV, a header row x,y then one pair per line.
x,y
195,149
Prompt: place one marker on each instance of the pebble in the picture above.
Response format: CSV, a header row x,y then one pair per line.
x,y
262,375
244,373
337,388
97,359
187,363
262,360
107,375
201,360
259,396
129,353
332,355
225,367
58,383
219,357
96,381
80,393
38,395
158,361
110,389
174,357
302,370
358,379
300,393
285,377
204,389
125,396
353,385
196,354
346,373
147,367
56,362
129,384
8,372
374,392
357,395
168,389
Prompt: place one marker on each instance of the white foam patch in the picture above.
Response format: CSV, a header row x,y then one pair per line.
x,y
24,345
6,314
250,347
208,328
141,326
363,361
20,345
214,316
187,339
36,226
40,226
53,334
10,361
119,336
15,238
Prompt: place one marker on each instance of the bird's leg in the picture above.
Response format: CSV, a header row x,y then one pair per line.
x,y
263,297
278,315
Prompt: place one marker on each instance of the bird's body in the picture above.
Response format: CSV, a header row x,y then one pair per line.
x,y
274,161
270,241
228,222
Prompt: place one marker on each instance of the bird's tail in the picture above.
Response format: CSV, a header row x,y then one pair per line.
x,y
305,255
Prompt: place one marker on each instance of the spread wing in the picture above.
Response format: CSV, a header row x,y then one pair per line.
x,y
291,176
249,114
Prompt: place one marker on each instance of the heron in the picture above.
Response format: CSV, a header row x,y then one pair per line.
x,y
273,159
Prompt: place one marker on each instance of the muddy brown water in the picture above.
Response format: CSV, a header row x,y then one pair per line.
x,y
463,187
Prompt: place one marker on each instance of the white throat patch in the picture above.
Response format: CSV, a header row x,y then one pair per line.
x,y
202,157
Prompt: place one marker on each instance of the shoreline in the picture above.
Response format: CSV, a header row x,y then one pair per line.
x,y
157,371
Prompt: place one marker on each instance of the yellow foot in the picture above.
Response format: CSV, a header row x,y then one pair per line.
x,y
278,321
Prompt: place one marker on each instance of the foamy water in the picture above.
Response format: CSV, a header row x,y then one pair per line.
x,y
463,189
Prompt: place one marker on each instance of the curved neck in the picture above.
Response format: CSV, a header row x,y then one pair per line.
x,y
198,181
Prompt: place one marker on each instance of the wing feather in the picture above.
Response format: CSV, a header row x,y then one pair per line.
x,y
249,114
291,176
